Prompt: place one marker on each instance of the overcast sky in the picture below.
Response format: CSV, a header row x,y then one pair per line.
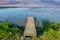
x,y
43,2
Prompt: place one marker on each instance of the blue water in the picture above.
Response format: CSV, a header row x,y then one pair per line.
x,y
18,15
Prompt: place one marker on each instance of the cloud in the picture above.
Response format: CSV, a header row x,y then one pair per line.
x,y
3,2
51,2
57,0
32,2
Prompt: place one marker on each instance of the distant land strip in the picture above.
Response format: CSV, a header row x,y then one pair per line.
x,y
12,6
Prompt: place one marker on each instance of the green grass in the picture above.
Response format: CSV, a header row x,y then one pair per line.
x,y
48,30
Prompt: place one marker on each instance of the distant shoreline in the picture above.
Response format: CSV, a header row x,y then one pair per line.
x,y
10,6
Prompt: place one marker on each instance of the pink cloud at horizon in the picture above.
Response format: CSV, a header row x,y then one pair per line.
x,y
3,2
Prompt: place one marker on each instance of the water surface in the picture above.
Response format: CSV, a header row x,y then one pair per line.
x,y
18,15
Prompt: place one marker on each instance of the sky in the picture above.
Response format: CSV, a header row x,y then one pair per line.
x,y
31,2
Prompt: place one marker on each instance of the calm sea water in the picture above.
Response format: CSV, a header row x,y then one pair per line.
x,y
18,15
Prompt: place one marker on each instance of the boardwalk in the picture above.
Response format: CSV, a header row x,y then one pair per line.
x,y
30,29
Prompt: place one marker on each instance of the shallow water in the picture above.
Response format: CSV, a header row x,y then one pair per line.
x,y
18,15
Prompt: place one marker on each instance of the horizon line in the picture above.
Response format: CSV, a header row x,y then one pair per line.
x,y
17,5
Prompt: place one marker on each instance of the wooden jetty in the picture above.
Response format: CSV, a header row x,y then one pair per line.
x,y
30,29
